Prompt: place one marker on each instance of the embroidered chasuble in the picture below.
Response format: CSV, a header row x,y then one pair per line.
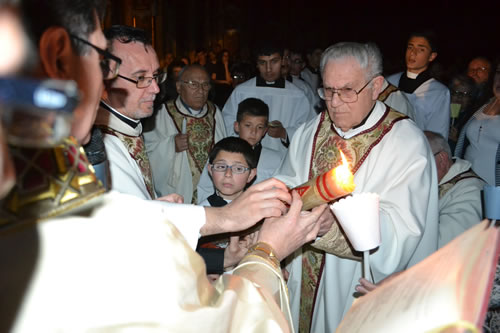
x,y
200,139
445,187
50,182
136,148
386,92
326,156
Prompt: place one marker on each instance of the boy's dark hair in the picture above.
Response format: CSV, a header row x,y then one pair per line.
x,y
429,35
125,34
253,107
234,144
77,17
268,48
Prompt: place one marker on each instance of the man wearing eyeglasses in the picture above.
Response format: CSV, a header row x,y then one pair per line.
x,y
74,258
290,73
480,70
126,100
182,133
388,155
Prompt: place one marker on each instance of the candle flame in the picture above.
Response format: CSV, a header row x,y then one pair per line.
x,y
343,175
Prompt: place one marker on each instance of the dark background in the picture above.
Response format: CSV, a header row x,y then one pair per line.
x,y
464,29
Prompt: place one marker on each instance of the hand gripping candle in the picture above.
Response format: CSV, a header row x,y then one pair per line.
x,y
328,186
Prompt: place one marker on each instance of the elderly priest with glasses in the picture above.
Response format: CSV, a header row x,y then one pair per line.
x,y
388,155
126,100
181,134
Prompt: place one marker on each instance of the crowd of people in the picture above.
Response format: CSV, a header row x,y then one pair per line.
x,y
168,206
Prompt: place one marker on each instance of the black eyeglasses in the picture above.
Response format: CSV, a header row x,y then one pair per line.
x,y
145,81
110,64
347,95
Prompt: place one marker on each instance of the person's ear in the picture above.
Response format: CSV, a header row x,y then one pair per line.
x,y
433,56
378,83
251,176
57,57
236,127
178,87
209,169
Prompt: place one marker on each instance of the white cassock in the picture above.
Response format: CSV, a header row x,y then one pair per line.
x,y
398,101
126,176
401,169
171,170
460,206
288,105
120,265
303,85
269,161
311,77
431,103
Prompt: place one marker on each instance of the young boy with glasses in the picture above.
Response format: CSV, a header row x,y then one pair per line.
x,y
251,125
232,167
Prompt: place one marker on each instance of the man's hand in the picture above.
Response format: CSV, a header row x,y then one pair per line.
x,y
326,221
237,249
287,233
181,142
265,199
365,286
276,130
174,198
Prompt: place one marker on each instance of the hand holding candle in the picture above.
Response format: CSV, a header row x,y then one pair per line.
x,y
328,186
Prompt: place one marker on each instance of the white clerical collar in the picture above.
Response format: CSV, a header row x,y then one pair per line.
x,y
377,113
411,75
109,107
185,109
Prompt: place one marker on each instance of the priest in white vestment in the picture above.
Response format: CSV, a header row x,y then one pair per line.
x,y
76,259
429,97
288,105
128,99
389,156
181,134
460,204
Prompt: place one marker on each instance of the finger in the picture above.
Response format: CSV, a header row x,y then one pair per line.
x,y
233,243
296,205
368,285
269,184
361,290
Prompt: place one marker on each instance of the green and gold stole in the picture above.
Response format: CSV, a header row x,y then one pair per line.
x,y
201,137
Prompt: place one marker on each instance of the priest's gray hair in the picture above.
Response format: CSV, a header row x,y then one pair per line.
x,y
367,55
438,143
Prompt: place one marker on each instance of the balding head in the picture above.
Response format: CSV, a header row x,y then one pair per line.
x,y
193,85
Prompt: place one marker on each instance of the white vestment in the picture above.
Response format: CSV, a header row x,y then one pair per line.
x,y
312,78
398,101
126,176
269,161
460,208
288,105
303,85
120,265
171,170
431,103
401,169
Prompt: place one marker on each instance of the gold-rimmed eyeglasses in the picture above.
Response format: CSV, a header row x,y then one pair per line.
x,y
347,95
